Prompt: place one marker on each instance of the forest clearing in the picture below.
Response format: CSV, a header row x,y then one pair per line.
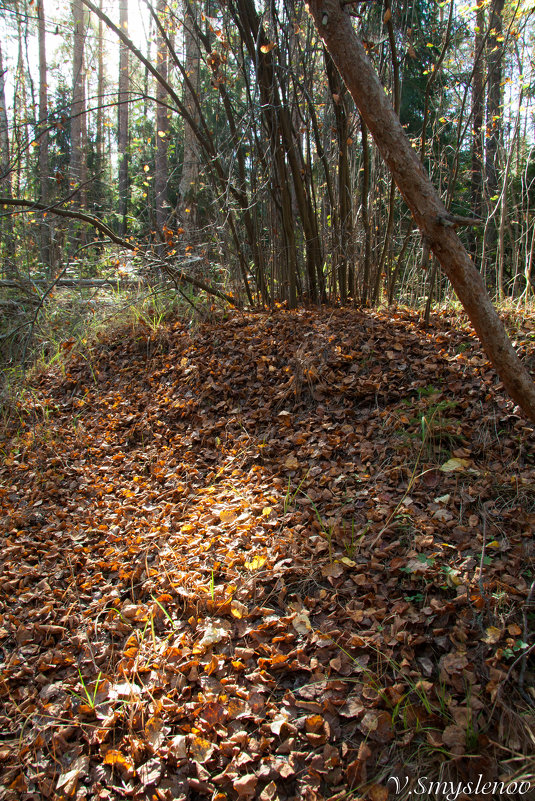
x,y
276,556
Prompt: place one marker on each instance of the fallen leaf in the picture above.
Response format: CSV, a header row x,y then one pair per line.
x,y
69,779
237,609
301,623
455,737
256,563
245,786
492,635
119,761
455,464
201,750
291,463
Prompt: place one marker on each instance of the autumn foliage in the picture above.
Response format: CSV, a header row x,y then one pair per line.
x,y
267,558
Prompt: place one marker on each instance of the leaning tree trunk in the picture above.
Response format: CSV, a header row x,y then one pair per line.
x,y
336,29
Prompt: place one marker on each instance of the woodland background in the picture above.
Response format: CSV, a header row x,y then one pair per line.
x,y
223,141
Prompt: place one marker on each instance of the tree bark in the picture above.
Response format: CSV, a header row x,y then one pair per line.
x,y
78,98
364,203
6,223
344,255
335,27
99,143
162,130
187,211
122,120
476,182
44,181
494,123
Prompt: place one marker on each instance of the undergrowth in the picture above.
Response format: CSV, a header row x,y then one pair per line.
x,y
71,323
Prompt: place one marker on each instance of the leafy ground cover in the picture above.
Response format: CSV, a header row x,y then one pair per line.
x,y
281,556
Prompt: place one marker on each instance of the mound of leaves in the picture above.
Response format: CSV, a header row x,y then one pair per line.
x,y
282,556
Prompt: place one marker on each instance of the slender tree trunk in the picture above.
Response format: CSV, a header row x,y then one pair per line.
x,y
343,255
273,85
20,117
504,202
78,164
396,89
44,180
6,223
187,206
476,183
77,94
364,193
5,166
122,121
336,29
162,130
494,123
100,112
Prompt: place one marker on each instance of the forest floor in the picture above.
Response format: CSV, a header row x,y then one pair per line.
x,y
281,556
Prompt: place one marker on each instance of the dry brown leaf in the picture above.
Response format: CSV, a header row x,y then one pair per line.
x,y
201,750
454,737
301,623
245,786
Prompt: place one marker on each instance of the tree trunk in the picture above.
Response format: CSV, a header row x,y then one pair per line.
x,y
44,182
6,223
187,212
343,256
476,183
78,98
364,202
122,126
494,123
99,144
162,129
335,27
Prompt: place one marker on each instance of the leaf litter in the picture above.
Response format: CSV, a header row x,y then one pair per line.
x,y
283,556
